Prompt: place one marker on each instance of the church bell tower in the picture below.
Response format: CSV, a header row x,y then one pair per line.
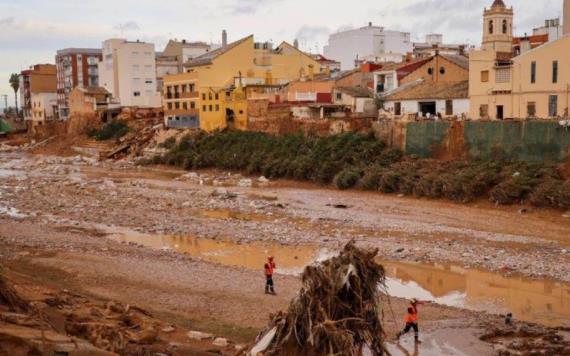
x,y
498,27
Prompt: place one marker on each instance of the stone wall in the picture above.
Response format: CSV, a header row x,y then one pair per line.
x,y
277,119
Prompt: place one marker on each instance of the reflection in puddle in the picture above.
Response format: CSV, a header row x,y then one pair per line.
x,y
290,259
541,301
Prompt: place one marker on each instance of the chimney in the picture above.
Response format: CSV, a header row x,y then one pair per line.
x,y
566,17
296,43
370,24
224,38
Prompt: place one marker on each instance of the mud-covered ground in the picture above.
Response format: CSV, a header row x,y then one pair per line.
x,y
56,214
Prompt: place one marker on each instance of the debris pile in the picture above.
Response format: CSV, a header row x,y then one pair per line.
x,y
337,311
142,132
527,339
66,322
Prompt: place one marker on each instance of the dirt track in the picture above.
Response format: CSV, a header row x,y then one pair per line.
x,y
55,215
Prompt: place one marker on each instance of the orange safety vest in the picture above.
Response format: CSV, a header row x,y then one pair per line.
x,y
410,319
269,267
415,314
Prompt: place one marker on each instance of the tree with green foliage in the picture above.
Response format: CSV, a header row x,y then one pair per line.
x,y
15,84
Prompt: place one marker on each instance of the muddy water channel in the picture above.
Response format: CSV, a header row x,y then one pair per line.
x,y
541,301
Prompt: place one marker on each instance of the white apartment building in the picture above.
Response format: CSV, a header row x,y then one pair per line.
x,y
368,43
128,72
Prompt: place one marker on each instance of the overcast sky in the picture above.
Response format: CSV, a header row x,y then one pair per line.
x,y
32,30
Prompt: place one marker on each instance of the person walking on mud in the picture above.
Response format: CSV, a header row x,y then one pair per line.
x,y
412,319
269,269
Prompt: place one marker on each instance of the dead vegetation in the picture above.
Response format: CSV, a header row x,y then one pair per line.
x,y
337,311
526,339
65,322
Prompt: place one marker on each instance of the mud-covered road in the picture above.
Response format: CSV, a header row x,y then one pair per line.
x,y
188,247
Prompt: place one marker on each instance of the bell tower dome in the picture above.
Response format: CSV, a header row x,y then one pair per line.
x,y
498,27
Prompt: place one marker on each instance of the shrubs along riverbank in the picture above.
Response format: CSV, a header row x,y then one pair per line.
x,y
352,160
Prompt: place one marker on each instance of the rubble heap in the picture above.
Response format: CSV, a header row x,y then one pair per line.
x,y
336,311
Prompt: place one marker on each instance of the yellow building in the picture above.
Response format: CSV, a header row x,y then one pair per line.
x,y
210,94
535,84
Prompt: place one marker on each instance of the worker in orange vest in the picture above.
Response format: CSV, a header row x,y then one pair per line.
x,y
412,319
269,269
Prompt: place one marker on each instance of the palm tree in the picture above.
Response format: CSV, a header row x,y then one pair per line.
x,y
15,84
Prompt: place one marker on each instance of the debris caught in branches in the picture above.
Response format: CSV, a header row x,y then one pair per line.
x,y
337,311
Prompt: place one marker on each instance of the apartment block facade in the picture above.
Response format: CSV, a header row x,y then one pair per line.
x,y
76,68
39,82
128,72
370,43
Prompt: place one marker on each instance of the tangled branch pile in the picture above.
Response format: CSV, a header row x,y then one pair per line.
x,y
336,311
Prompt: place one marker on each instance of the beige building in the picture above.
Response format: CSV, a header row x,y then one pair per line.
x,y
210,94
88,101
38,85
128,72
535,84
44,107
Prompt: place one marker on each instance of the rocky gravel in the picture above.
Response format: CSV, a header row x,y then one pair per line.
x,y
83,192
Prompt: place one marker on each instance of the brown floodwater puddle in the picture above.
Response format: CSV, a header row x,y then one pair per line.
x,y
542,301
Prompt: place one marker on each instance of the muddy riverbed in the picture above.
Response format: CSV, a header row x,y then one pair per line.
x,y
189,246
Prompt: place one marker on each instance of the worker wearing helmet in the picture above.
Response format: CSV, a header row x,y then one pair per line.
x,y
269,269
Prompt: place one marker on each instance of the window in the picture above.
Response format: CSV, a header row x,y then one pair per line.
x,y
177,105
204,108
531,109
430,71
484,111
555,72
204,97
185,105
148,81
491,27
209,96
485,76
184,88
217,96
398,109
338,96
210,108
553,105
505,26
169,106
533,72
191,88
503,75
449,107
442,70
137,93
217,107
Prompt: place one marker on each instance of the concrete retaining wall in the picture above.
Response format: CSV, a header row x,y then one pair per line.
x,y
530,141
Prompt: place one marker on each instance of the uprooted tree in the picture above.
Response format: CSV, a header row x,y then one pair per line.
x,y
337,311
